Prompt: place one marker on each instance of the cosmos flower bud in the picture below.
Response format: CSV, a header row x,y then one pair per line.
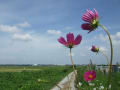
x,y
94,49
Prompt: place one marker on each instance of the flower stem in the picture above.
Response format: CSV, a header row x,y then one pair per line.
x,y
105,57
110,67
72,59
73,63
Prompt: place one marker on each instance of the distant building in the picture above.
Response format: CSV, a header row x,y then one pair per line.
x,y
115,68
35,64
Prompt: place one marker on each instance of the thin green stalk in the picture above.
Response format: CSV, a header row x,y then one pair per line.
x,y
110,68
73,64
105,57
75,72
72,59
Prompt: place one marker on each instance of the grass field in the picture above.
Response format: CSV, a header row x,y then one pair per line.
x,y
31,78
45,77
19,68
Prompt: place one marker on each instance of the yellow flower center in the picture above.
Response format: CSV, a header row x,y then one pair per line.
x,y
70,45
90,76
97,49
94,21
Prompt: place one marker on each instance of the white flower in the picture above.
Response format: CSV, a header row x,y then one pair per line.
x,y
80,84
39,80
101,87
91,84
109,86
94,88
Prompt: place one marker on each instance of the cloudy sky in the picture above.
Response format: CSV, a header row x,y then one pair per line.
x,y
29,30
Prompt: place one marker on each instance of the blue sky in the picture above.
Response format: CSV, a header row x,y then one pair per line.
x,y
29,31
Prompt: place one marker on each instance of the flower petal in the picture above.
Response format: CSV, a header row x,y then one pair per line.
x,y
86,19
87,15
96,14
77,40
86,26
86,75
62,40
92,15
70,37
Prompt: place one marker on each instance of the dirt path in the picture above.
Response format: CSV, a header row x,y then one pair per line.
x,y
68,83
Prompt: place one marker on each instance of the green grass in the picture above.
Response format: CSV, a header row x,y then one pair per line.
x,y
45,77
28,78
116,81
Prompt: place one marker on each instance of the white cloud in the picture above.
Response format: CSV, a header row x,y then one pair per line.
x,y
54,32
102,37
25,24
23,37
118,35
16,31
115,38
9,29
43,45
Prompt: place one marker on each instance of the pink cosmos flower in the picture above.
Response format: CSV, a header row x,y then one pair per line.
x,y
89,76
92,20
94,49
71,42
